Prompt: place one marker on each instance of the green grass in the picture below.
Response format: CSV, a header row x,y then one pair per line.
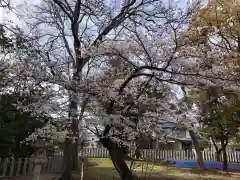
x,y
103,169
100,169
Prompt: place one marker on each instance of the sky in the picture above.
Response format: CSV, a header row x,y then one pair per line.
x,y
17,5
4,15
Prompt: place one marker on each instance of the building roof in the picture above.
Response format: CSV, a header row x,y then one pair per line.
x,y
168,124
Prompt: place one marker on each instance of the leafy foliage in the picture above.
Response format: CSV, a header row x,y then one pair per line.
x,y
16,126
220,113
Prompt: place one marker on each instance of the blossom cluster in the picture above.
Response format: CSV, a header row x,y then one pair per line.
x,y
127,63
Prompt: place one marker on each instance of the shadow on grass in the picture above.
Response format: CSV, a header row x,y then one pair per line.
x,y
107,173
103,169
91,164
210,171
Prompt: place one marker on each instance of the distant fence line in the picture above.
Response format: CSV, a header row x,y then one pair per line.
x,y
10,167
155,154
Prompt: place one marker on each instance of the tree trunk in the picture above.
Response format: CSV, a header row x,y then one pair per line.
x,y
225,160
198,150
67,160
70,157
218,150
218,154
75,129
117,156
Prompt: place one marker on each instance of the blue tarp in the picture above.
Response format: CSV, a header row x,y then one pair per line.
x,y
208,164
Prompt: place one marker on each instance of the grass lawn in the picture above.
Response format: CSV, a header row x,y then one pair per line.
x,y
103,169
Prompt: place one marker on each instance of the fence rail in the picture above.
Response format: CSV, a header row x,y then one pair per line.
x,y
10,167
233,156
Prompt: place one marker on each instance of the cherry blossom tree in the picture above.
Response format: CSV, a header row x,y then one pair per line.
x,y
72,42
106,42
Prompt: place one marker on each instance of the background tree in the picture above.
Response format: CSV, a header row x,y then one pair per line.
x,y
214,34
220,111
22,101
17,125
215,31
188,116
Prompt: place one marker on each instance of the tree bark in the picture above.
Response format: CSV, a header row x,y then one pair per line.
x,y
218,154
225,160
67,159
117,156
198,150
218,150
70,156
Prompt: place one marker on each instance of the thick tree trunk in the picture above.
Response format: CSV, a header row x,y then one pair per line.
x,y
198,150
218,150
117,156
70,159
225,160
218,154
67,160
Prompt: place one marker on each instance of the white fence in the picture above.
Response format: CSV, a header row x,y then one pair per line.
x,y
11,167
233,156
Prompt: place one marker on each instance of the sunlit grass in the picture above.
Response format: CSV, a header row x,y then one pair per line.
x,y
103,169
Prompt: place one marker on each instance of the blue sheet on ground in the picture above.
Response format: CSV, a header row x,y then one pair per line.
x,y
208,164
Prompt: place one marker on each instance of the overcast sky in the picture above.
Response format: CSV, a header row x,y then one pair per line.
x,y
16,4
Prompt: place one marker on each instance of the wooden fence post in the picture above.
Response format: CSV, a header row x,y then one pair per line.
x,y
236,156
12,166
30,165
25,166
19,164
5,166
49,165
